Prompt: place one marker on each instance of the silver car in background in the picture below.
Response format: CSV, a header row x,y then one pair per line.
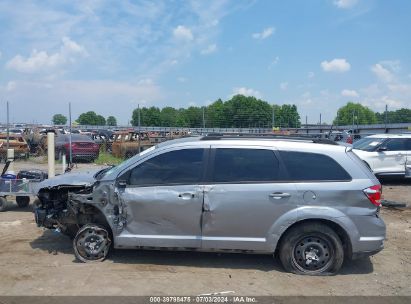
x,y
310,202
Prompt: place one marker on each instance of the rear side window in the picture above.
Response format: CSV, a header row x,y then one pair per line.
x,y
175,167
397,144
244,165
303,166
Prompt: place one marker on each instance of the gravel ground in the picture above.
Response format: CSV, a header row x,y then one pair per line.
x,y
34,261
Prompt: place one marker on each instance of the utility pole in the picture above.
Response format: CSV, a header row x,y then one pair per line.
x,y
306,123
203,119
320,119
8,127
273,123
70,149
386,118
139,129
353,122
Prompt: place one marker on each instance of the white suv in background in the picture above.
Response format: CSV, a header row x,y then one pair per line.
x,y
385,154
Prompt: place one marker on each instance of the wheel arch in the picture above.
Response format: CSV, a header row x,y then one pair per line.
x,y
338,229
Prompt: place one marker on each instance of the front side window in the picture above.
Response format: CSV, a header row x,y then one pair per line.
x,y
175,167
302,166
244,165
368,144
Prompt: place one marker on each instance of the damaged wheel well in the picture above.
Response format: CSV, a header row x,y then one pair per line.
x,y
68,209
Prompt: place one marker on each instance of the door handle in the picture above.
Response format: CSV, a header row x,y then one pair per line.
x,y
186,195
279,195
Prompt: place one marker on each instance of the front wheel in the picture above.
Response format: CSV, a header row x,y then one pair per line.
x,y
311,249
92,243
3,203
22,201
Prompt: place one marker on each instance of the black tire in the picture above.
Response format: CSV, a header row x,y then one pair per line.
x,y
311,249
3,204
92,243
22,201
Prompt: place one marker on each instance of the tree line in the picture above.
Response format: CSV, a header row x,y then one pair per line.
x,y
357,114
238,112
88,118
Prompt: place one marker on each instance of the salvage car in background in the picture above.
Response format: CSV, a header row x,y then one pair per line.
x,y
385,154
82,147
312,202
16,142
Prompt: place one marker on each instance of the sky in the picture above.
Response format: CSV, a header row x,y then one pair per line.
x,y
111,56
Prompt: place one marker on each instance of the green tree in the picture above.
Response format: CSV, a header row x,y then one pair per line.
x,y
399,116
168,117
91,118
111,121
354,113
214,114
59,119
288,116
149,117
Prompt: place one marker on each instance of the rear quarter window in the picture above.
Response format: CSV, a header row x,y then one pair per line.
x,y
303,166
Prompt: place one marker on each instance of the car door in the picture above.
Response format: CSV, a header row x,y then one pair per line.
x,y
244,198
392,155
163,197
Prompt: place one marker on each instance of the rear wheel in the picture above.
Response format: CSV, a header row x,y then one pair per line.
x,y
22,201
92,243
311,249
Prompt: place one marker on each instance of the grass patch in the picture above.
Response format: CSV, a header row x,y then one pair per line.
x,y
105,158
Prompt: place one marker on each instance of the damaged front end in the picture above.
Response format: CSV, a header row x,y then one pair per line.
x,y
70,201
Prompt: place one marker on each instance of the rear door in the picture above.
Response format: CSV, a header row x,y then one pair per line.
x,y
164,199
244,198
393,158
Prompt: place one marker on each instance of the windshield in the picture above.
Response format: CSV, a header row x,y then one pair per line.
x,y
367,144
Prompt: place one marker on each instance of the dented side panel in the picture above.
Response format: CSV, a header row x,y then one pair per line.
x,y
162,216
239,216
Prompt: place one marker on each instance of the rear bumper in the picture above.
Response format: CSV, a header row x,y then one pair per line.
x,y
365,254
371,236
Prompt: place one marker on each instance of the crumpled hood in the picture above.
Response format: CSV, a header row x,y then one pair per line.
x,y
85,178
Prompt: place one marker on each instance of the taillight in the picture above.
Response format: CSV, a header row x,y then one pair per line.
x,y
374,194
349,140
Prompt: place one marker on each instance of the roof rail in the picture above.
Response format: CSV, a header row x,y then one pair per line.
x,y
218,136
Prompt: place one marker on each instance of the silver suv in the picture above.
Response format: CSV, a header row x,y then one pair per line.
x,y
311,202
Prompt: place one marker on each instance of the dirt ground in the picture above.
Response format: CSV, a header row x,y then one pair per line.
x,y
34,261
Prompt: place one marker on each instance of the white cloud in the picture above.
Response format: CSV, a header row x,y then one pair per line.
x,y
181,79
246,92
40,61
11,85
310,75
339,65
274,62
349,93
183,33
212,48
1,54
383,71
264,34
41,100
284,86
345,3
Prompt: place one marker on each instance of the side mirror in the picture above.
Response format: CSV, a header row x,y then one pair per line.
x,y
382,148
122,184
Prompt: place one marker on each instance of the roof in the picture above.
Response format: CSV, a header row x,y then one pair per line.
x,y
405,135
282,142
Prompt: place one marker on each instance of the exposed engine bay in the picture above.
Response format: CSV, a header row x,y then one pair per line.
x,y
69,207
